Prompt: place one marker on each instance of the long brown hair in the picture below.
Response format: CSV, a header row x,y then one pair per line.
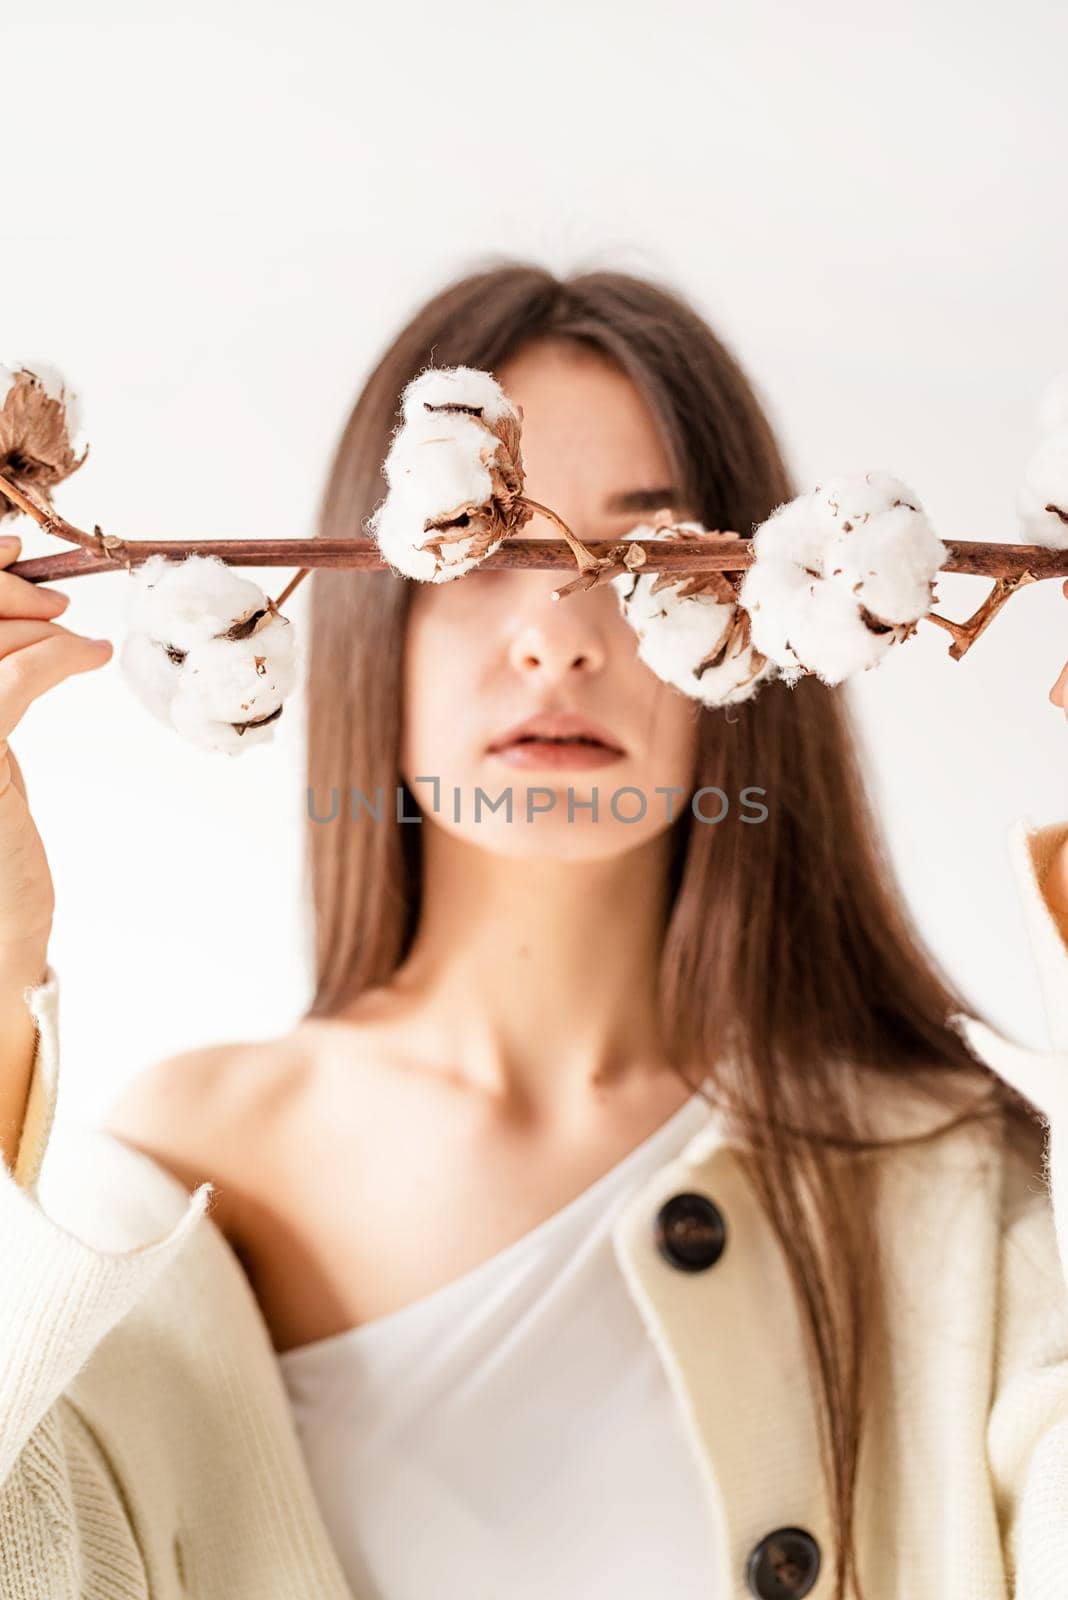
x,y
789,962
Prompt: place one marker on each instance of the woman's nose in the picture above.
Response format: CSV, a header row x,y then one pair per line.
x,y
558,637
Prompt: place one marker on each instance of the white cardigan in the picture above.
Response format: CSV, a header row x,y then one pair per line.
x,y
147,1448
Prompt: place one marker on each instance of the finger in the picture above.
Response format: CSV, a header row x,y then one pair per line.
x,y
18,632
18,596
18,782
1059,693
21,598
29,670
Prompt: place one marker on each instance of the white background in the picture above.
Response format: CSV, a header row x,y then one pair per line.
x,y
215,223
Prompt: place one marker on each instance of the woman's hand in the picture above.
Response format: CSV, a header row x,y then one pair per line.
x,y
1059,693
35,654
1055,881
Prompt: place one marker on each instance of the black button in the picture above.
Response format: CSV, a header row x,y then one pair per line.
x,y
784,1565
690,1232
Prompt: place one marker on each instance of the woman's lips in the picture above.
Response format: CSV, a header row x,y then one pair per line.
x,y
534,753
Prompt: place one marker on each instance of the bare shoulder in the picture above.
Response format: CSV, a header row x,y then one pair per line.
x,y
242,1115
202,1115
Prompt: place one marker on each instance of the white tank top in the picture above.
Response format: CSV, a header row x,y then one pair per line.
x,y
512,1433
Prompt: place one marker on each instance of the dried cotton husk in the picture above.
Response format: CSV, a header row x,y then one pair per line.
x,y
691,631
40,427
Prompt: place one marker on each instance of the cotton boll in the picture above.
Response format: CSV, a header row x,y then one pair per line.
x,y
399,529
773,593
398,526
674,634
185,602
671,650
232,691
888,562
455,477
1045,483
438,457
151,673
841,574
464,386
435,471
827,634
206,654
796,532
189,720
241,680
679,633
856,497
1053,406
1045,475
806,625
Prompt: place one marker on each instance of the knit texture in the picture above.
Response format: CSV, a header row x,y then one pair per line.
x,y
147,1451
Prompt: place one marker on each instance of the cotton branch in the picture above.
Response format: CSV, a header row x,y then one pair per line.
x,y
1012,566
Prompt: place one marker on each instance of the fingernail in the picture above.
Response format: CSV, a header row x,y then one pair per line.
x,y
9,540
101,642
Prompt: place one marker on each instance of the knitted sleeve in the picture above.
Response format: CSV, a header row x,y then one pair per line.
x,y
60,1297
1041,1076
1027,1429
1027,1426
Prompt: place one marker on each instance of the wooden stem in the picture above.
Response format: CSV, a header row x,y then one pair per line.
x,y
964,634
586,561
276,605
1012,566
52,523
733,555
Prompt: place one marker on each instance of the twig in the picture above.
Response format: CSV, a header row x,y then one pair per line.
x,y
53,523
1012,566
290,586
976,557
965,633
590,566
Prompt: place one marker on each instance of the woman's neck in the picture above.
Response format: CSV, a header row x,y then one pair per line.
x,y
536,978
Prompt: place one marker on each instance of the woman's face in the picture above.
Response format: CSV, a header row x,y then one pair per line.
x,y
487,650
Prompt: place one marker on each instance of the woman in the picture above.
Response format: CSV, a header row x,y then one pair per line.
x,y
625,1215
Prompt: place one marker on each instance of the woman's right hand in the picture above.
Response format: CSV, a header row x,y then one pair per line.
x,y
35,654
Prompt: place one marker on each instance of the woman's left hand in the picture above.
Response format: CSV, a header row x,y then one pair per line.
x,y
1055,882
1055,885
1059,693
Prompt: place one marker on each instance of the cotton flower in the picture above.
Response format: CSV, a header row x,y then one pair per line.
x,y
1053,405
205,653
1042,498
840,575
40,427
455,475
690,630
